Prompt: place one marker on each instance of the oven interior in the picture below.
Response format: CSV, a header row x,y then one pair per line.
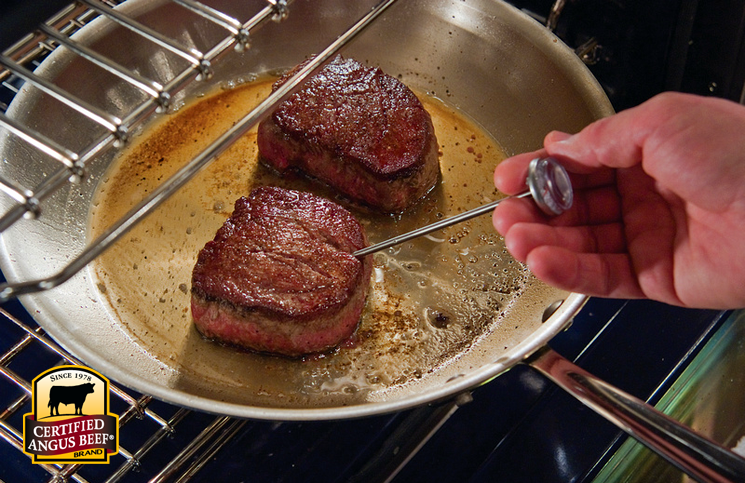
x,y
516,428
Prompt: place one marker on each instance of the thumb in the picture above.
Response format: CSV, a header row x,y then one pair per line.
x,y
614,142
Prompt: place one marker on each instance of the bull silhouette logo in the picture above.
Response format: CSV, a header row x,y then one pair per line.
x,y
82,430
69,395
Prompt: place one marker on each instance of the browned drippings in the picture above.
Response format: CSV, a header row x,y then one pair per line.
x,y
430,298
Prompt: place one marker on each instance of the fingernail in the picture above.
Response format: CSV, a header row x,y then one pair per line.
x,y
557,137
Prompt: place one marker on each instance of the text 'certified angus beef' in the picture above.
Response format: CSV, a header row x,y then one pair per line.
x,y
280,277
357,129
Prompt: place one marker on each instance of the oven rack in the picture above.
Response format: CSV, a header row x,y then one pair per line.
x,y
160,442
16,70
58,32
71,165
147,427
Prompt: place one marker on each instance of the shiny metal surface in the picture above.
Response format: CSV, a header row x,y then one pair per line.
x,y
707,396
431,46
170,186
550,188
112,123
438,225
695,454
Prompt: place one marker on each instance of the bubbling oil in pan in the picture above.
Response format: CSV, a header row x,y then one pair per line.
x,y
430,298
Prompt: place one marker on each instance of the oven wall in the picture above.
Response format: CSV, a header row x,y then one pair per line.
x,y
649,46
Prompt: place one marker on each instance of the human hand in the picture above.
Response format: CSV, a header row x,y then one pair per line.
x,y
659,208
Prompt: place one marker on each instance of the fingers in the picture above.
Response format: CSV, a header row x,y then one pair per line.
x,y
523,238
600,275
510,174
583,250
555,137
645,212
662,134
514,211
589,248
613,142
667,133
591,207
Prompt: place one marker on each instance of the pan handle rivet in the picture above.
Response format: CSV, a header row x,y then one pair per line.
x,y
549,311
463,398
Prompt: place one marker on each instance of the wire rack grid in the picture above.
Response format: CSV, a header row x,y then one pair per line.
x,y
158,441
17,69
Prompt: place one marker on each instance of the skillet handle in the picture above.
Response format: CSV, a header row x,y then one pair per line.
x,y
697,456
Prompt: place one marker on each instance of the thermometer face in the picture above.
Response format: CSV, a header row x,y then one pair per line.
x,y
550,186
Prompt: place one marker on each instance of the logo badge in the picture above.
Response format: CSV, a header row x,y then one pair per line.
x,y
70,422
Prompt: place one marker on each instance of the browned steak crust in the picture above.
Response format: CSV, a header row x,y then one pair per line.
x,y
279,275
357,129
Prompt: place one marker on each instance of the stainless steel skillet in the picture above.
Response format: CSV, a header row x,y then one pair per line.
x,y
491,63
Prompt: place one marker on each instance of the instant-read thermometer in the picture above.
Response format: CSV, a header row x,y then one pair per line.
x,y
548,184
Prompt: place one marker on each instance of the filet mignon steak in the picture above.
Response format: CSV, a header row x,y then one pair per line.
x,y
357,129
279,276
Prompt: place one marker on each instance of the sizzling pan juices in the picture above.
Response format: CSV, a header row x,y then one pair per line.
x,y
431,298
446,313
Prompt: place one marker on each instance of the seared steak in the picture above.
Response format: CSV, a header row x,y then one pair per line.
x,y
357,129
279,276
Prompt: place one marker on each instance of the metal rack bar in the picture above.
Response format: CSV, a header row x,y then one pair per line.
x,y
32,47
16,66
226,21
133,460
15,191
151,87
40,142
96,115
220,429
192,456
187,172
194,56
29,199
221,440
